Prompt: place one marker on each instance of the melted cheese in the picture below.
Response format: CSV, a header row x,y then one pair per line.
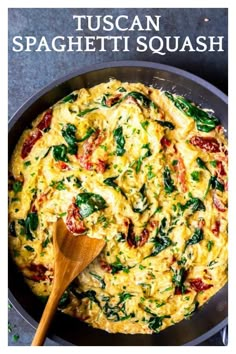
x,y
131,287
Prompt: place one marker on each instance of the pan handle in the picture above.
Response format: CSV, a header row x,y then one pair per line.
x,y
224,335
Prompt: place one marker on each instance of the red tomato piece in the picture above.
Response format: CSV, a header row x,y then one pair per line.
x,y
208,144
74,223
218,203
29,142
45,123
198,285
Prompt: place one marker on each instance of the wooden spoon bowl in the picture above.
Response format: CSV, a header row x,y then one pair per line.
x,y
72,255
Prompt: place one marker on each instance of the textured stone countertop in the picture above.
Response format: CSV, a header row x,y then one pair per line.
x,y
30,71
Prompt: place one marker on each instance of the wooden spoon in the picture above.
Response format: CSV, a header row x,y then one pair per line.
x,y
72,255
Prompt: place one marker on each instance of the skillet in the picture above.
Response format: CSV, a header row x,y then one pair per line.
x,y
209,319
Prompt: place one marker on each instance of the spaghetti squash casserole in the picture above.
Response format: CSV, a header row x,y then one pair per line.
x,y
144,169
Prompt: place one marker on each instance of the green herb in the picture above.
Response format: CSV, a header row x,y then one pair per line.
x,y
121,89
213,163
209,245
168,182
120,141
89,203
141,267
100,279
110,182
165,123
150,174
9,327
145,124
70,98
204,121
88,110
196,238
29,248
47,152
9,306
59,185
123,297
15,337
17,186
60,153
27,163
195,175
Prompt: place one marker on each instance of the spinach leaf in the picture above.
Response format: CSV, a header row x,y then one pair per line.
x,y
46,242
160,243
155,322
101,281
120,141
118,266
140,160
124,296
145,101
141,205
68,134
201,164
196,238
88,110
110,182
30,224
179,278
64,300
17,186
29,248
195,203
216,184
118,312
121,89
165,123
60,153
168,182
12,228
89,203
89,132
195,307
90,294
161,240
70,98
204,121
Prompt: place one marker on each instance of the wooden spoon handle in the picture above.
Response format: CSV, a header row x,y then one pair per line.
x,y
46,318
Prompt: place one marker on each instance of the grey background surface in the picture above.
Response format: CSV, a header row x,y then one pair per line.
x,y
30,71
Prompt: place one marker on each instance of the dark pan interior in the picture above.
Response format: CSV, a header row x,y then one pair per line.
x,y
66,330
